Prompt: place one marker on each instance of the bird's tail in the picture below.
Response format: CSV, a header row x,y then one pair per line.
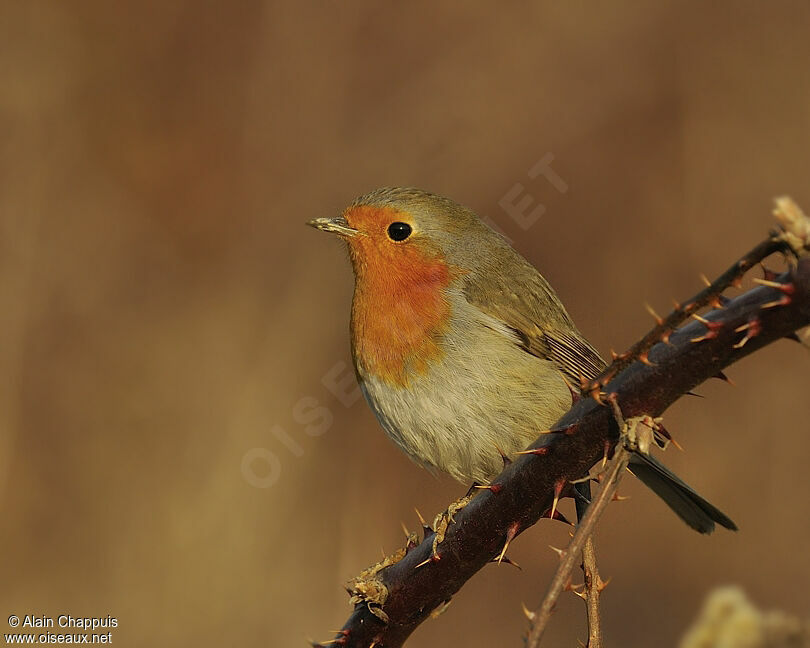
x,y
679,496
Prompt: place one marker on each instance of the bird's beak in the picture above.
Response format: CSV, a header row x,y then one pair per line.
x,y
337,226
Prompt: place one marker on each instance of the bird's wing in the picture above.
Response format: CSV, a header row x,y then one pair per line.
x,y
528,305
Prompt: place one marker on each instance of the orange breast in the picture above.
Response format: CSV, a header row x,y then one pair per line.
x,y
400,310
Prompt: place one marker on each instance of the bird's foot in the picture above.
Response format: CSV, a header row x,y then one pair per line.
x,y
367,588
640,432
445,519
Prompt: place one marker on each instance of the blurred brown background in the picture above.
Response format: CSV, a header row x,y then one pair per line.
x,y
164,310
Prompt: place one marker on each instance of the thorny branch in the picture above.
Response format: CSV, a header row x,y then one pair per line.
x,y
582,542
569,557
593,590
678,360
711,295
593,585
793,237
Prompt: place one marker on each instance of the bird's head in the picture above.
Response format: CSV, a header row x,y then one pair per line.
x,y
407,247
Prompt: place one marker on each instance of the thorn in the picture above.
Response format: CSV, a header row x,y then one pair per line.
x,y
577,494
752,328
405,529
660,429
787,288
575,393
742,342
434,557
722,376
506,460
511,532
603,585
705,280
605,452
441,609
559,552
558,486
426,529
676,304
543,450
619,498
568,430
507,561
419,515
531,616
557,516
767,273
645,359
493,488
613,355
574,589
691,393
717,302
655,315
711,326
665,337
782,301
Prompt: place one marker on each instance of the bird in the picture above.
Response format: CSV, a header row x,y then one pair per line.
x,y
462,349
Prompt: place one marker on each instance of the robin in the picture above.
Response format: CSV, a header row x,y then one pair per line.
x,y
461,347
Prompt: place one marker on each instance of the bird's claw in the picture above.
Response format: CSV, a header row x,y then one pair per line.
x,y
639,433
445,519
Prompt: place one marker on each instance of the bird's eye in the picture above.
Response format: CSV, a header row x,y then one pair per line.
x,y
399,231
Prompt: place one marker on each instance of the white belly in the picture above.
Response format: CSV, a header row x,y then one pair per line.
x,y
486,394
